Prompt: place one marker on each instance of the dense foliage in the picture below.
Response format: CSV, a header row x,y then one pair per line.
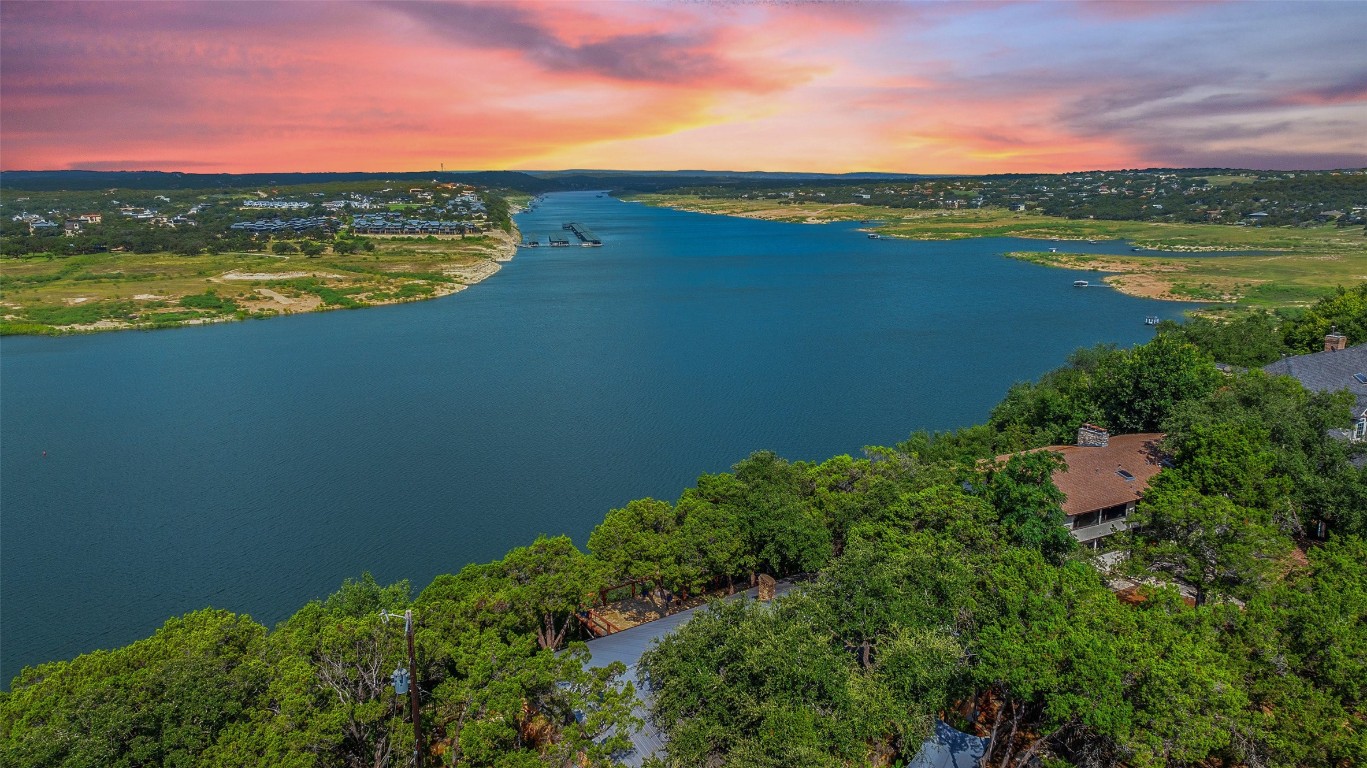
x,y
1256,338
939,582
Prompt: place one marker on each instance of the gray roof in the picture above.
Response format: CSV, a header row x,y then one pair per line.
x,y
948,748
1328,372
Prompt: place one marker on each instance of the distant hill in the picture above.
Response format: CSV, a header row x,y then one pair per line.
x,y
531,182
49,181
747,175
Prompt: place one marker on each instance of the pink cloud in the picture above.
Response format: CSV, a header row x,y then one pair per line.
x,y
929,87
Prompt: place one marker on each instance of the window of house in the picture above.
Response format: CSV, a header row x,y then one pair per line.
x,y
1086,519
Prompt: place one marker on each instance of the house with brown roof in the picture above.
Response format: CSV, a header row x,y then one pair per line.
x,y
1104,479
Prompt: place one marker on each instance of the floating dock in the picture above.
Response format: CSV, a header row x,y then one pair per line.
x,y
559,241
585,235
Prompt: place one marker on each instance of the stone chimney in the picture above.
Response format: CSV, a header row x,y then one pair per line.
x,y
1335,341
767,587
1092,436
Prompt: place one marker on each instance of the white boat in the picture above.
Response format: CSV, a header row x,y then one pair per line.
x,y
1079,283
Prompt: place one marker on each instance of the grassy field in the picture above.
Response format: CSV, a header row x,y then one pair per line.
x,y
1274,280
113,291
1302,263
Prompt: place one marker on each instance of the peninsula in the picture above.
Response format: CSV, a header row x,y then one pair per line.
x,y
120,258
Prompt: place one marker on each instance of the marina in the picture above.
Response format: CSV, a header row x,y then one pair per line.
x,y
585,235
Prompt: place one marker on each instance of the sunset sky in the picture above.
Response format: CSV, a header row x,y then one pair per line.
x,y
944,87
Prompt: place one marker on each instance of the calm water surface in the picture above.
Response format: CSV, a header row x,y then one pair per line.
x,y
254,466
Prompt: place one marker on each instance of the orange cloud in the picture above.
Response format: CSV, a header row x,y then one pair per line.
x,y
917,87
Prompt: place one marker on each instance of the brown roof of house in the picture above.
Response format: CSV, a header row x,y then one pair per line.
x,y
1093,480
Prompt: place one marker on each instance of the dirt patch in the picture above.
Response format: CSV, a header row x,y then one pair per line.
x,y
78,300
635,611
473,273
276,302
1145,286
235,275
102,325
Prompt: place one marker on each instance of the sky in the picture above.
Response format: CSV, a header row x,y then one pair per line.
x,y
832,87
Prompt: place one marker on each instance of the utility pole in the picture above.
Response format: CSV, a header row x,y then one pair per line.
x,y
413,690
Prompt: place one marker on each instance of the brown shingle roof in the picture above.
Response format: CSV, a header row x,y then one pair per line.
x,y
1093,480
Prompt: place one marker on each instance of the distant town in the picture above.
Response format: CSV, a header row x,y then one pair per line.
x,y
1177,196
196,221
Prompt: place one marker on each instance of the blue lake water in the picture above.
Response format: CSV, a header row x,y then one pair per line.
x,y
254,466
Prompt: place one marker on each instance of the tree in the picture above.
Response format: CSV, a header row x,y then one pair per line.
x,y
331,695
1303,650
1344,311
917,581
1209,542
1249,339
505,700
160,701
744,684
1230,460
1136,390
783,529
1048,412
638,542
546,583
1266,441
710,544
1029,504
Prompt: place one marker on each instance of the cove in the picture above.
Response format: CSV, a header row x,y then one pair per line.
x,y
254,466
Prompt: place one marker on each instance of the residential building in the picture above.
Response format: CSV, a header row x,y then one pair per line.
x,y
1104,478
1339,366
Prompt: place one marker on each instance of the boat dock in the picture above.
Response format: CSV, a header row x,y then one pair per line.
x,y
559,241
585,235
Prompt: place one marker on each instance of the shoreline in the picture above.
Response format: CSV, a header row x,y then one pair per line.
x,y
270,303
1270,267
1124,277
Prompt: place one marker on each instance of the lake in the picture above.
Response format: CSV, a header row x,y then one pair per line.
x,y
254,466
